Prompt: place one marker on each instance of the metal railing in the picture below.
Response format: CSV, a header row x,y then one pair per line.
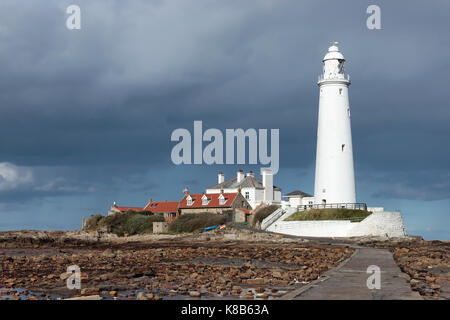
x,y
271,218
338,76
354,206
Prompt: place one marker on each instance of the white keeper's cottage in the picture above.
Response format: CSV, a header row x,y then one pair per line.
x,y
255,191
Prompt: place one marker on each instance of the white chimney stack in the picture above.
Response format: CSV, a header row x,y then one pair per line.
x,y
240,175
221,178
267,176
250,174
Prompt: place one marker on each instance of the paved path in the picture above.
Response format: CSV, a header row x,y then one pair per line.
x,y
349,281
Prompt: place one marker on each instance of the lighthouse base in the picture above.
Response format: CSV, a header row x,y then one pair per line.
x,y
378,224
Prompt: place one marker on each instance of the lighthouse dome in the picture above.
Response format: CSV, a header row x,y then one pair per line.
x,y
333,54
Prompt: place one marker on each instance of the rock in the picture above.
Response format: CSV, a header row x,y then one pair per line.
x,y
249,295
430,279
435,286
194,294
255,281
262,296
172,292
108,253
89,291
276,274
141,296
64,276
93,297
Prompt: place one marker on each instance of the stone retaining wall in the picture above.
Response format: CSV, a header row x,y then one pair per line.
x,y
377,224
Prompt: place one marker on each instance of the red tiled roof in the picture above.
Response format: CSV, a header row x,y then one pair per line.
x,y
213,200
125,209
162,206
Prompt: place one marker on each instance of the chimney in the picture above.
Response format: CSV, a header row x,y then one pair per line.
x,y
267,176
250,174
240,175
221,178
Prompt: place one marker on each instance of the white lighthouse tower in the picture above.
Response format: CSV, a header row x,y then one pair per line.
x,y
335,177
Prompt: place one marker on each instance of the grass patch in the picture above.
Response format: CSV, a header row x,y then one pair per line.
x,y
191,222
330,214
261,213
129,223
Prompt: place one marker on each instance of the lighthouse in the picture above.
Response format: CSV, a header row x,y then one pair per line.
x,y
335,177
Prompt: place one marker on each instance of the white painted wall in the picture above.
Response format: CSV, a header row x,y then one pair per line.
x,y
377,224
307,200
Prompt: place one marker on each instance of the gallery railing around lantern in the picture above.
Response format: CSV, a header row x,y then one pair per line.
x,y
338,76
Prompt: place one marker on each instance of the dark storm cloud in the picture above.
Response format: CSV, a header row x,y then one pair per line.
x,y
102,101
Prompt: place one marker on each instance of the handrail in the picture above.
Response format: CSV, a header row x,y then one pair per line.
x,y
354,206
271,218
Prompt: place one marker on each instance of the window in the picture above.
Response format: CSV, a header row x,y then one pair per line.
x,y
342,147
204,200
222,200
247,195
340,92
348,112
189,201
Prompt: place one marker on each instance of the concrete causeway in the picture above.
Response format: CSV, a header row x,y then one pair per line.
x,y
349,280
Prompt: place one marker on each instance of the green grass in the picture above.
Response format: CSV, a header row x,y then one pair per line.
x,y
330,214
191,222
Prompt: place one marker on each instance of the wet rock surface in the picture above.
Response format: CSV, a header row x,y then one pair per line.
x,y
220,265
428,265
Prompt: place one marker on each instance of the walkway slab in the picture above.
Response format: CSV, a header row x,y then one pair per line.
x,y
349,281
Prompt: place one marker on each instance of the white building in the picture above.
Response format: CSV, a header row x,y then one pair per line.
x,y
297,198
335,179
254,190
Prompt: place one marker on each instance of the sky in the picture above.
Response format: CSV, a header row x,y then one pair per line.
x,y
87,115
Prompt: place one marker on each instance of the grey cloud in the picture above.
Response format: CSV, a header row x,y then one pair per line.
x,y
102,102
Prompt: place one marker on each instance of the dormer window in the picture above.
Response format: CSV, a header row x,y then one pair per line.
x,y
222,200
205,200
189,201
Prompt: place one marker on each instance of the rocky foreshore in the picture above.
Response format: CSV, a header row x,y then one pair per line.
x,y
228,263
223,264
